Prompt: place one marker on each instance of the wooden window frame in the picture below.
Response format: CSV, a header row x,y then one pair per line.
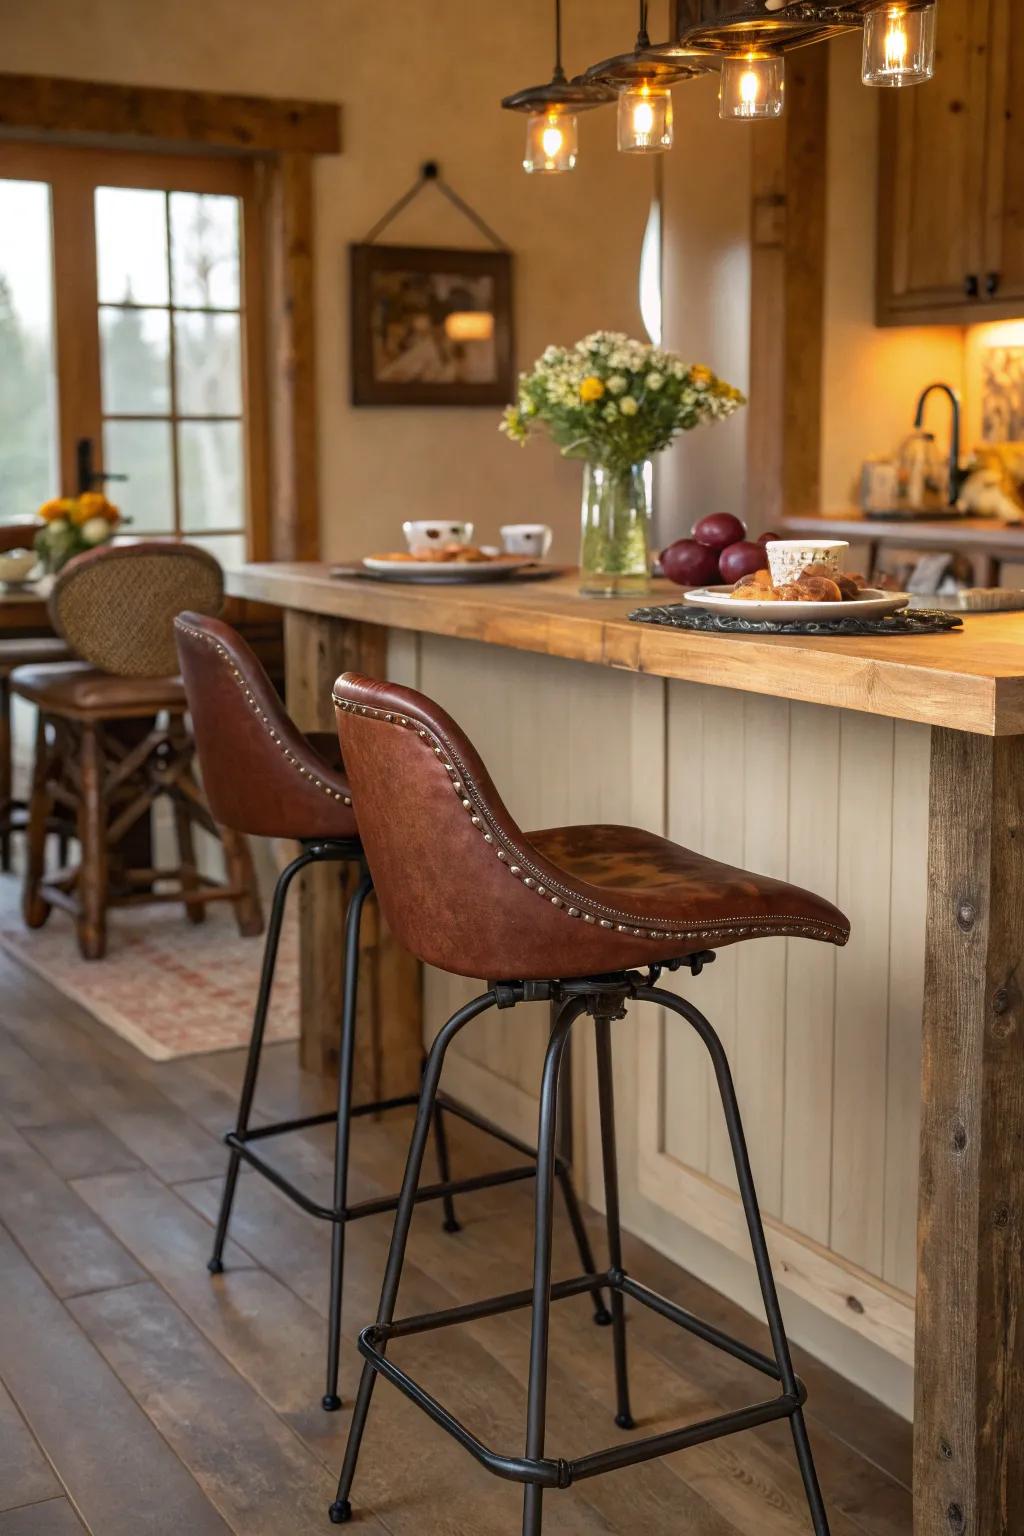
x,y
278,140
73,175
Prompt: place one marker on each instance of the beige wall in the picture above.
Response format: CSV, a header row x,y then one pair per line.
x,y
707,299
871,377
419,82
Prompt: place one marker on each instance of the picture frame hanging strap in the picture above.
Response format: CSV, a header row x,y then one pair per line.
x,y
430,171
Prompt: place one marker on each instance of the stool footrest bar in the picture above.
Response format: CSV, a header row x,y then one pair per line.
x,y
547,1472
328,1117
518,1469
632,1451
469,1311
378,1206
696,1325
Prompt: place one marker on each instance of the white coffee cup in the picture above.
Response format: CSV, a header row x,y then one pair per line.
x,y
435,533
789,558
533,539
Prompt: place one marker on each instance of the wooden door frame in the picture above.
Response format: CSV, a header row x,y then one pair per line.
x,y
787,297
282,136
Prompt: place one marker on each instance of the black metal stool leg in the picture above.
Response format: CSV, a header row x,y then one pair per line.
x,y
602,1316
563,1172
606,1101
346,1060
536,1402
451,1221
252,1066
755,1228
341,1510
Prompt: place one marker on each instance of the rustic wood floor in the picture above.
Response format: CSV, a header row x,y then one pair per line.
x,y
141,1397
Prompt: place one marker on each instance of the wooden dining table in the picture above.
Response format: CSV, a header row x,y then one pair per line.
x,y
23,611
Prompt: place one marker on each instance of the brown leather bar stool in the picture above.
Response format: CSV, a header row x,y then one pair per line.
x,y
19,651
586,917
264,778
112,740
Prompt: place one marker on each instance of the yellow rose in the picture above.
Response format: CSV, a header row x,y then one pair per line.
x,y
591,389
700,375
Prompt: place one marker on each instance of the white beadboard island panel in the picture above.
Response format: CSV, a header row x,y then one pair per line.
x,y
824,1043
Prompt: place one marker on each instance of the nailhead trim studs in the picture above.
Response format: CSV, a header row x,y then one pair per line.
x,y
720,929
250,699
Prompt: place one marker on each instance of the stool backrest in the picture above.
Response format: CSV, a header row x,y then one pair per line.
x,y
254,760
116,606
456,879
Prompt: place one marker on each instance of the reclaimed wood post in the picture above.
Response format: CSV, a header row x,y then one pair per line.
x,y
969,1409
389,1034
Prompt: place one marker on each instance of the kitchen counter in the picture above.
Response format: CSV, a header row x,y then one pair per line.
x,y
988,541
971,681
883,1085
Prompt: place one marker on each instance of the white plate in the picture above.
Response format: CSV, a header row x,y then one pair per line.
x,y
424,570
871,604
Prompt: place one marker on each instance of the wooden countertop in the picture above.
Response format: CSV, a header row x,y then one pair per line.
x,y
971,681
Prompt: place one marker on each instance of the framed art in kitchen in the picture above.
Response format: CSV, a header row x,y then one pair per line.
x,y
431,326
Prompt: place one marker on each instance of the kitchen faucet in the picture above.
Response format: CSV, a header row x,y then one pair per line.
x,y
954,435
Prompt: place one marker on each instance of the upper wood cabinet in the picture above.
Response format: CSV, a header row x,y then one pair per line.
x,y
951,176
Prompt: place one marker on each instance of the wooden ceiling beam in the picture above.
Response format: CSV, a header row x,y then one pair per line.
x,y
92,111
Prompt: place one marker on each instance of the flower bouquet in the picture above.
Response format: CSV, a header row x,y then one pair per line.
x,y
72,524
615,402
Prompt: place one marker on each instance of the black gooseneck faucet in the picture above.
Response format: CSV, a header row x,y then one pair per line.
x,y
954,434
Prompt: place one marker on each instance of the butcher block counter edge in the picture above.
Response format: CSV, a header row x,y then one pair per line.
x,y
970,681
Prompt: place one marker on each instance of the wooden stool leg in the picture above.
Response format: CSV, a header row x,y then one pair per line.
x,y
6,774
92,837
195,911
35,909
241,877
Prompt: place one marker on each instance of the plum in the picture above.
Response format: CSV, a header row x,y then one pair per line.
x,y
689,564
768,538
742,559
719,530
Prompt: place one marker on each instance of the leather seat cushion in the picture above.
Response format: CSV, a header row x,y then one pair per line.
x,y
24,652
80,689
636,875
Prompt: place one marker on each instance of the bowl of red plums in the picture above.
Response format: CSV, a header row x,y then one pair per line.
x,y
722,571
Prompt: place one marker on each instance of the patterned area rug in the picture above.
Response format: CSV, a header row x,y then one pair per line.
x,y
171,988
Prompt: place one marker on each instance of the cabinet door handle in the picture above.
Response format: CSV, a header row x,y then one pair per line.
x,y
992,284
971,285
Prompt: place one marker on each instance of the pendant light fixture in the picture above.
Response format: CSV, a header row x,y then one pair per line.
x,y
552,138
899,45
753,86
643,81
899,35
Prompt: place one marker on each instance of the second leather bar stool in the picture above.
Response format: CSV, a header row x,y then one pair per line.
x,y
587,918
263,778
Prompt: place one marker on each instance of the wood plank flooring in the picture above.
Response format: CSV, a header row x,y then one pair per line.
x,y
141,1397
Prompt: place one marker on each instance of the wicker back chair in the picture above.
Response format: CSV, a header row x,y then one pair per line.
x,y
116,606
113,738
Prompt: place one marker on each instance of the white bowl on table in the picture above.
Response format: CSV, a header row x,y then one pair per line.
x,y
17,565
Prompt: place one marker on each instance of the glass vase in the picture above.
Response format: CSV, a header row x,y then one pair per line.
x,y
616,518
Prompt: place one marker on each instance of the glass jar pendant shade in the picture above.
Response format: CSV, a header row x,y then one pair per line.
x,y
899,46
752,87
552,138
552,141
645,118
